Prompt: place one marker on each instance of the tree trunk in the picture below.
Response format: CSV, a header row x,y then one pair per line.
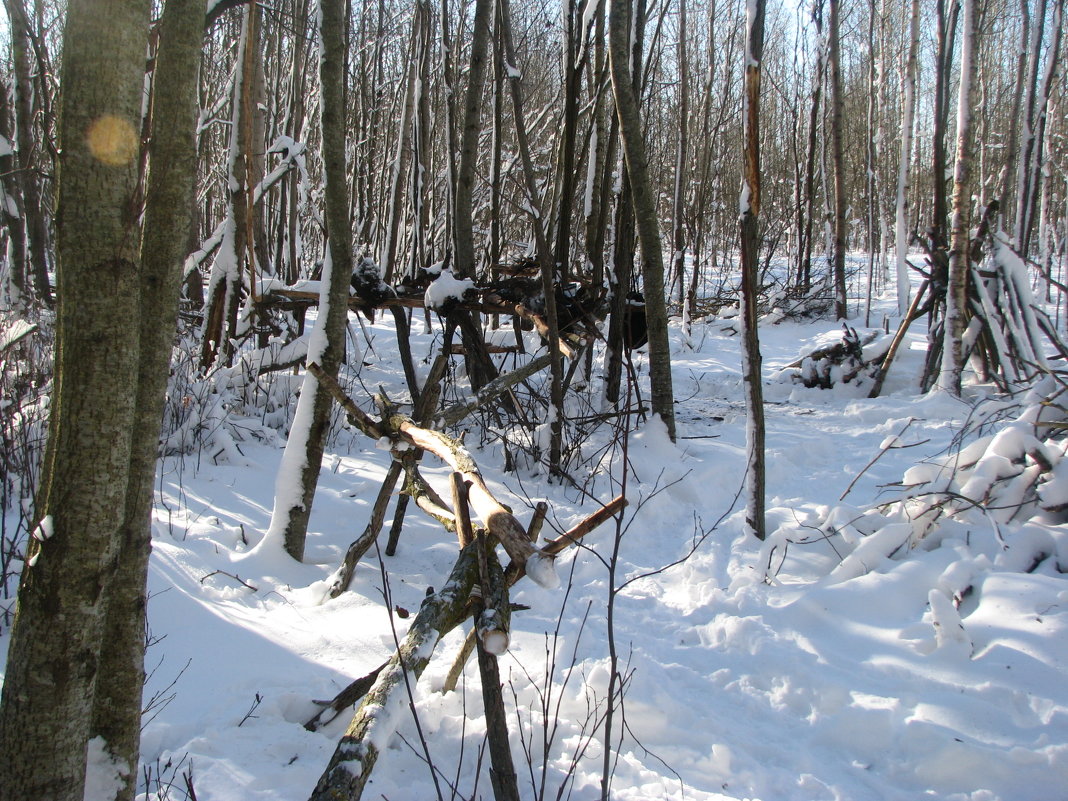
x,y
804,268
1008,173
46,711
226,279
311,424
168,222
546,267
1037,134
12,212
943,63
841,309
645,216
37,237
678,255
908,112
749,210
956,298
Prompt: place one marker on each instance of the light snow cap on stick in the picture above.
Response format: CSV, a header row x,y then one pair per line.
x,y
541,568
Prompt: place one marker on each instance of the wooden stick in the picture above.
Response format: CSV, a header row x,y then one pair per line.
x,y
498,386
537,521
899,337
543,328
359,547
500,522
513,574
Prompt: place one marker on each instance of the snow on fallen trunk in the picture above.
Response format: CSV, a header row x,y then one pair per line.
x,y
382,708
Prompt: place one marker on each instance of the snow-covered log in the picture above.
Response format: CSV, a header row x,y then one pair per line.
x,y
379,714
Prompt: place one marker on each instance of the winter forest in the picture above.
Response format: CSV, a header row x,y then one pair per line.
x,y
480,399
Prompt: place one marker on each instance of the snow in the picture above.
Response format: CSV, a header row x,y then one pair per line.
x,y
446,289
103,773
844,658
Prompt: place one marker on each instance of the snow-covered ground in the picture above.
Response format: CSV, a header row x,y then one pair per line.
x,y
752,671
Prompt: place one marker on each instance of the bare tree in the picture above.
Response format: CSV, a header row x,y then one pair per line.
x,y
645,215
956,301
307,436
908,113
49,694
749,211
841,309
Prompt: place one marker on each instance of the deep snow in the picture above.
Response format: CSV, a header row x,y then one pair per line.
x,y
753,671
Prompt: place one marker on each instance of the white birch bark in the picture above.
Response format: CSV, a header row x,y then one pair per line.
x,y
952,359
908,114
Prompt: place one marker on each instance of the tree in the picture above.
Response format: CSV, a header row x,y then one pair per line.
x,y
168,221
908,113
749,209
840,201
36,226
307,437
645,216
49,695
956,299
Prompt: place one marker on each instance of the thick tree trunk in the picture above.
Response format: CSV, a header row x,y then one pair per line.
x,y
172,180
46,711
645,216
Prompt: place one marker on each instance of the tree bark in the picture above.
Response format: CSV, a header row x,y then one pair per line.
x,y
36,232
46,711
645,216
749,210
168,223
956,300
841,309
908,112
307,439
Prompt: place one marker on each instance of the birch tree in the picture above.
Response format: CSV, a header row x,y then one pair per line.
x,y
956,300
908,114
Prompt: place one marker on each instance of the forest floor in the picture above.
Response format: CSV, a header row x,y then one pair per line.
x,y
753,671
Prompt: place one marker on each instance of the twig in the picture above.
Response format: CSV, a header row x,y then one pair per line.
x,y
236,578
887,446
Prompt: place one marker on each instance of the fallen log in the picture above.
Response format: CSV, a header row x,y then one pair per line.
x,y
378,715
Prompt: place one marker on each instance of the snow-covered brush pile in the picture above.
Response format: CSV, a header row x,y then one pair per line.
x,y
852,359
988,493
